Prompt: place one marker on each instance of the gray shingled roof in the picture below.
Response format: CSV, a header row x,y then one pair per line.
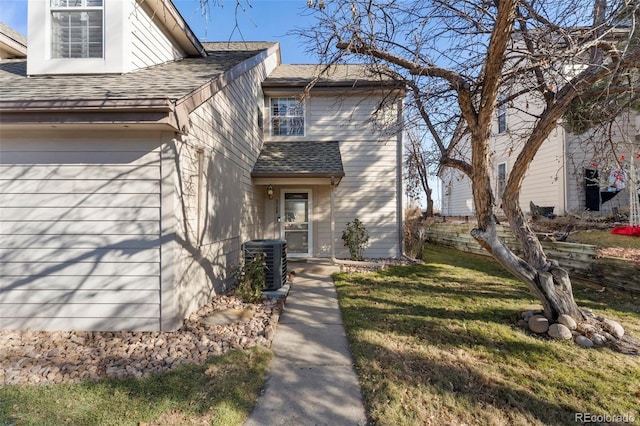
x,y
172,80
299,159
340,75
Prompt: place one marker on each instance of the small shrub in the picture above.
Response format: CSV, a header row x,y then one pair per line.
x,y
355,237
251,279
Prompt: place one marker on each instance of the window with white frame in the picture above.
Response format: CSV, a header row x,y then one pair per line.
x,y
502,179
287,117
502,116
77,28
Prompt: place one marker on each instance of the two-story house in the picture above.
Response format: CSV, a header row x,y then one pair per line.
x,y
327,145
136,160
571,173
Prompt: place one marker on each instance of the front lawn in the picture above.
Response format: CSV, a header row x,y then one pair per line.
x,y
435,344
222,392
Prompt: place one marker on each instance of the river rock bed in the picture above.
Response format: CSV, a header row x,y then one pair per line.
x,y
592,332
226,323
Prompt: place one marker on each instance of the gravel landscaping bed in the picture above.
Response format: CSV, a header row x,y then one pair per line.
x,y
38,357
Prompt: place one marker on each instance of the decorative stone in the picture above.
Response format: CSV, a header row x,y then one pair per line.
x,y
607,336
614,328
522,324
598,339
567,321
71,356
583,341
559,331
538,324
526,315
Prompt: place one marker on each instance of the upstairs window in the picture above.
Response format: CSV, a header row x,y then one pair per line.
x,y
502,179
502,117
287,117
77,28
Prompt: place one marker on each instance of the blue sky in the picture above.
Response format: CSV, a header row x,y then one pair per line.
x,y
262,20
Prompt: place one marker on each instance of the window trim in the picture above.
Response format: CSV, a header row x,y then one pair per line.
x,y
79,9
303,116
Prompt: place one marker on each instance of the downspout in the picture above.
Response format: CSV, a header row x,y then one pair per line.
x,y
565,176
332,236
399,185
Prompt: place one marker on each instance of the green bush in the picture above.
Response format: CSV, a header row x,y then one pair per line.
x,y
251,279
355,237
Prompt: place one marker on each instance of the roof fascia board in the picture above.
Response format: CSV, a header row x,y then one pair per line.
x,y
75,118
296,180
271,90
131,111
53,118
177,26
158,104
298,175
13,46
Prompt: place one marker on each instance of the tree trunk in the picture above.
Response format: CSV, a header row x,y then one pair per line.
x,y
544,278
429,203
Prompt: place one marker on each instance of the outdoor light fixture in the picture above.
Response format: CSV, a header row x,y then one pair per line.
x,y
270,191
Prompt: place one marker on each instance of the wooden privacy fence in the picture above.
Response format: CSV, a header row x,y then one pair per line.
x,y
579,259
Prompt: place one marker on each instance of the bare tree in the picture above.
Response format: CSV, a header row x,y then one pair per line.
x,y
420,164
462,60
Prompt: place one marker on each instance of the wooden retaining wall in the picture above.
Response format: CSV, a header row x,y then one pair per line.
x,y
579,259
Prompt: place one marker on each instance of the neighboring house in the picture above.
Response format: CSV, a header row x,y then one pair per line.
x,y
133,165
569,173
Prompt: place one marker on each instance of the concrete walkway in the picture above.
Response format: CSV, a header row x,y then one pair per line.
x,y
311,379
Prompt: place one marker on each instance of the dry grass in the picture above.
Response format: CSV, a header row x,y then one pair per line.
x,y
435,344
222,392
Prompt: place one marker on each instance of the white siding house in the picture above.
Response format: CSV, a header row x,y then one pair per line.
x,y
130,174
557,175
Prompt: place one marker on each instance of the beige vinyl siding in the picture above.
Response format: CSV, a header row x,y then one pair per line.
x,y
149,44
226,129
369,189
80,231
368,192
544,181
457,196
369,156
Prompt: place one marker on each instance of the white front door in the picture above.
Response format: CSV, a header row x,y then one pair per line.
x,y
296,223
